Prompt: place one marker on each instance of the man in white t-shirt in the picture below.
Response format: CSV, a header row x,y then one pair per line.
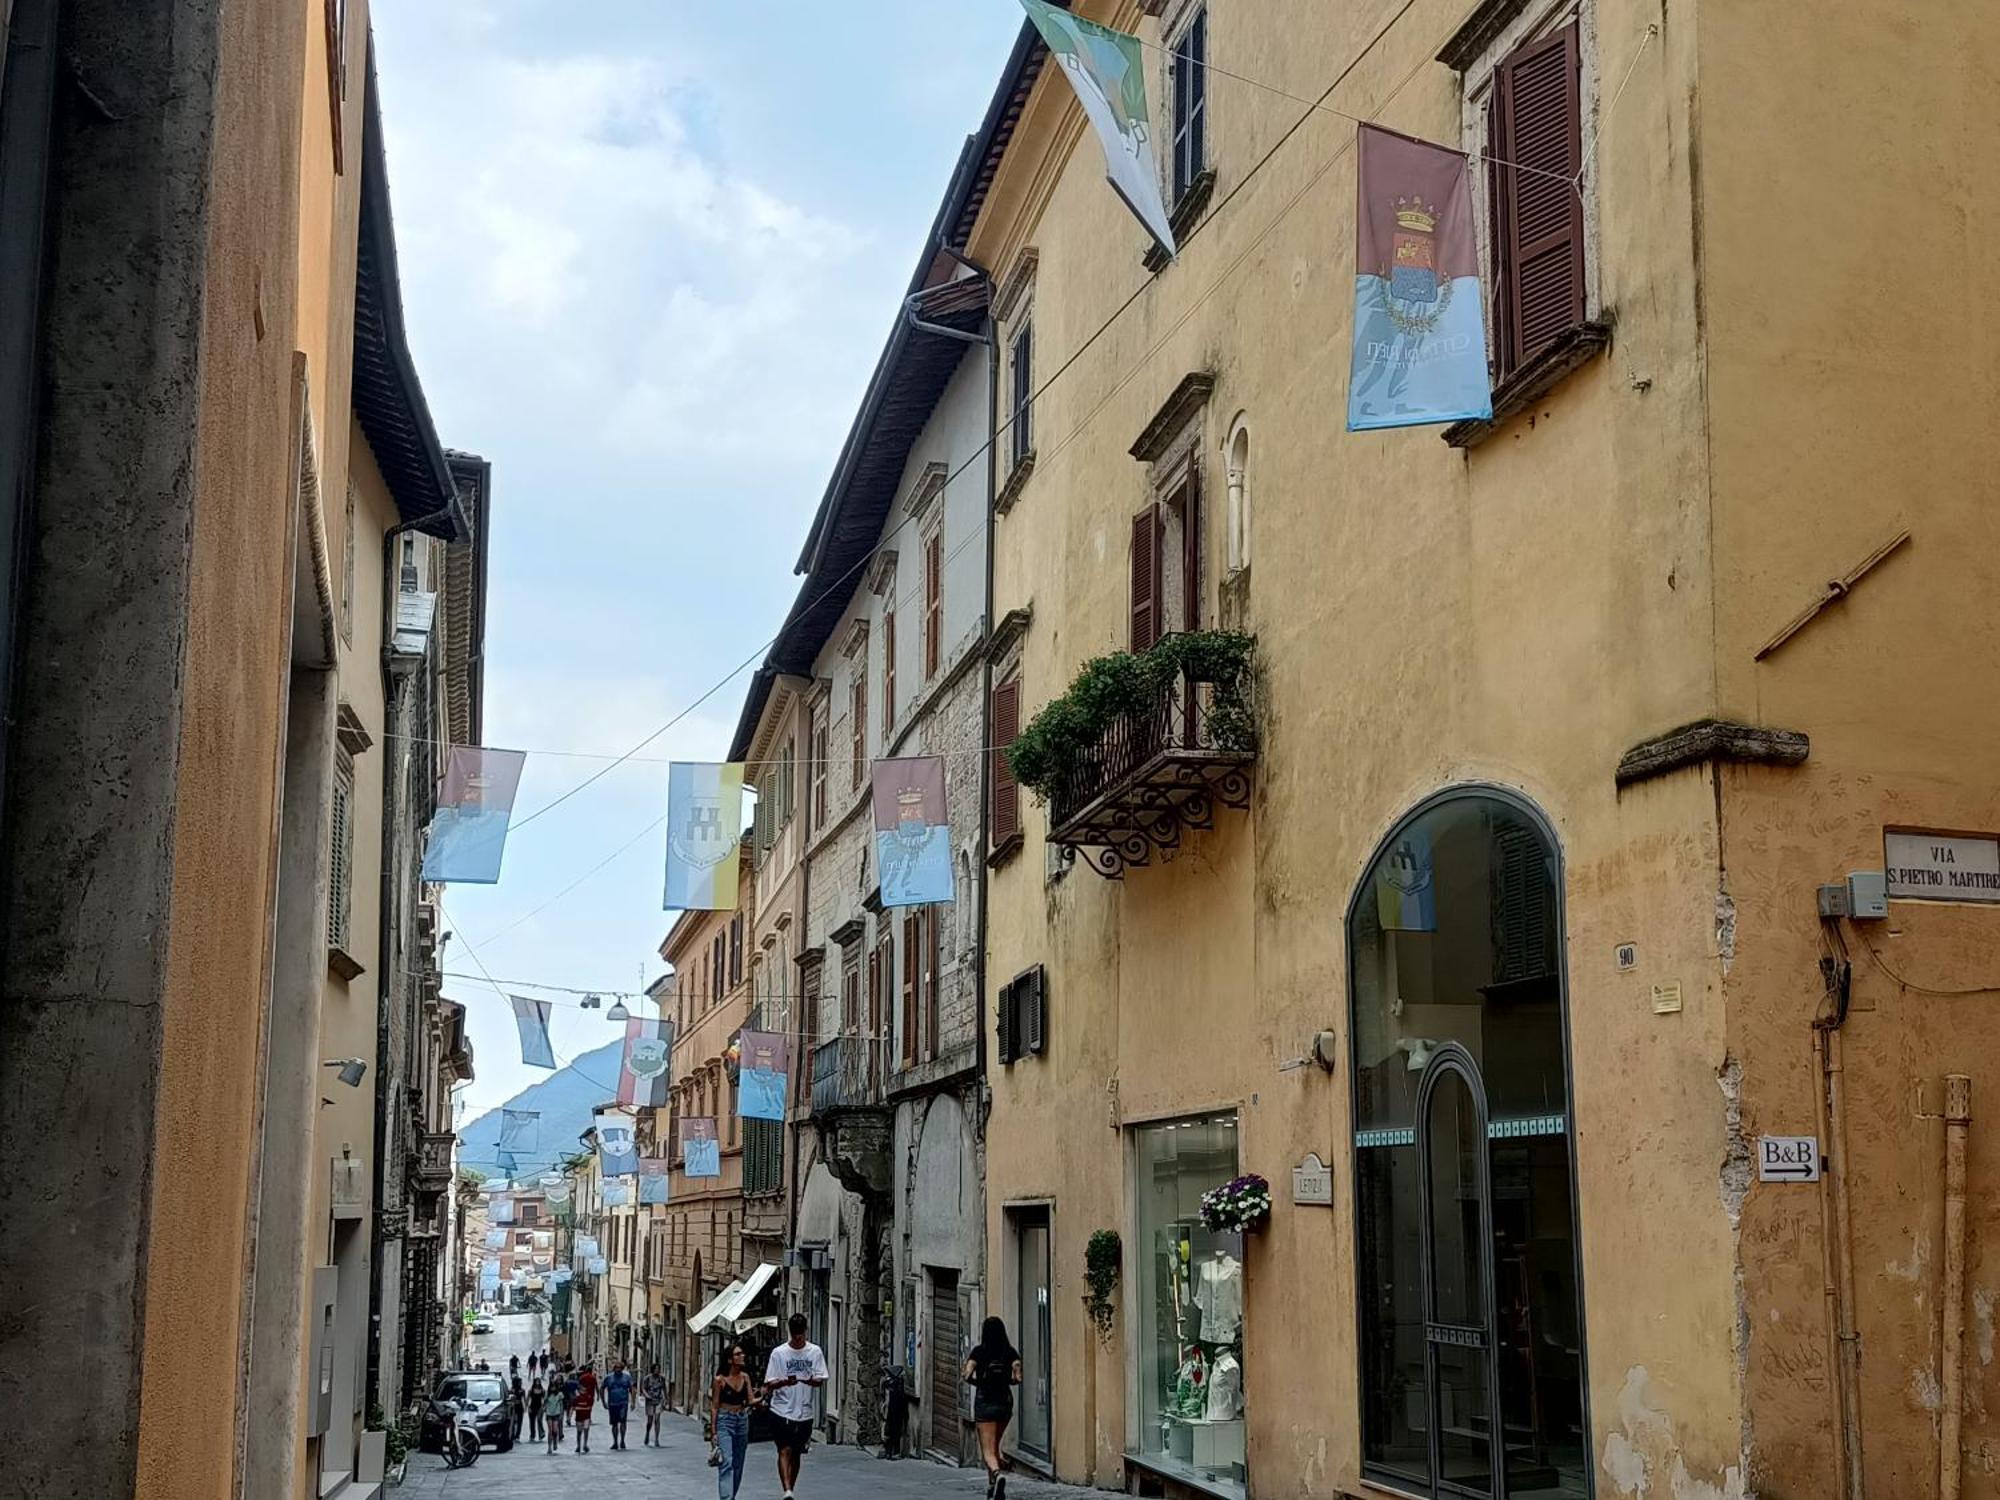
x,y
795,1370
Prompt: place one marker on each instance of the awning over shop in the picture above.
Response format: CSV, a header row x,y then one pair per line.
x,y
729,1310
712,1310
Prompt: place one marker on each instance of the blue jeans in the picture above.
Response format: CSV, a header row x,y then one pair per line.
x,y
732,1436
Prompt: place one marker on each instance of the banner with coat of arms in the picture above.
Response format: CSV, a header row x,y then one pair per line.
x,y
642,1073
653,1185
468,833
700,1147
1419,322
912,831
761,1085
704,829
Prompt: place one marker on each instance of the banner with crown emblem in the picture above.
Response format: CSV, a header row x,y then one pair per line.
x,y
1419,319
704,829
652,1180
617,1150
468,833
760,1085
912,831
701,1150
642,1073
1405,886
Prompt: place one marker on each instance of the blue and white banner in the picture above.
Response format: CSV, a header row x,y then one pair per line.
x,y
704,831
700,1150
653,1181
531,1018
617,1149
761,1085
599,1265
519,1129
1419,322
912,831
468,833
617,1194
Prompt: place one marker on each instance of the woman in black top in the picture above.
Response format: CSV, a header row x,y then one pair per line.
x,y
993,1369
730,1396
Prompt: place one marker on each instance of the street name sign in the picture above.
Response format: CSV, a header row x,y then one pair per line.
x,y
1942,867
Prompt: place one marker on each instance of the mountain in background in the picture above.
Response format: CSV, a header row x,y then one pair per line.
x,y
564,1099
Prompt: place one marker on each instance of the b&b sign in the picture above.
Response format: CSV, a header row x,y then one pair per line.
x,y
1787,1158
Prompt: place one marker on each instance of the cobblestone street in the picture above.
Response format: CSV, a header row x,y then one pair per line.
x,y
679,1471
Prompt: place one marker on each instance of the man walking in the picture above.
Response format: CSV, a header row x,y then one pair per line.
x,y
618,1401
795,1370
653,1391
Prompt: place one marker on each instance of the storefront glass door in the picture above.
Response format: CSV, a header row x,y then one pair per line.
x,y
1031,1302
1458,1301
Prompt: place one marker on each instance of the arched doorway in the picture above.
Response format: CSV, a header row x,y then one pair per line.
x,y
1471,1324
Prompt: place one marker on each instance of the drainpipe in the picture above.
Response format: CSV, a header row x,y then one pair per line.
x,y
1847,1368
1957,1126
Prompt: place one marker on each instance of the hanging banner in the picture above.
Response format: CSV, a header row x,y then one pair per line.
x,y
531,1019
501,1210
704,829
489,1276
1405,893
700,1147
519,1129
912,831
468,832
617,1194
1419,322
598,1265
1107,69
760,1090
653,1181
642,1074
586,1246
617,1151
557,1191
496,1239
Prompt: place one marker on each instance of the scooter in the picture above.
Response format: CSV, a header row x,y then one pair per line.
x,y
461,1438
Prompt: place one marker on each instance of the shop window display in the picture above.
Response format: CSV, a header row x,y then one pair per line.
x,y
1190,1306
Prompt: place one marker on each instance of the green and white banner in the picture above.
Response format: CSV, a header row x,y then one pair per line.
x,y
1107,70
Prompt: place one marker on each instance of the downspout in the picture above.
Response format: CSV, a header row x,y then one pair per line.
x,y
1847,1366
1957,1126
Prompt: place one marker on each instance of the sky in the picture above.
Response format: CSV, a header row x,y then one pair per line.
x,y
650,251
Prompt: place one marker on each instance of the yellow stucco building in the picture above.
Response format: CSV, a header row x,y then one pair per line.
x,y
1491,934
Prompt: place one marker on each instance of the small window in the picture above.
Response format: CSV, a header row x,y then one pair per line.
x,y
340,872
1190,104
1022,363
857,686
347,572
933,602
1237,542
821,746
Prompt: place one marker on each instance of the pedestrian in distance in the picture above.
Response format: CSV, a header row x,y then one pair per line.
x,y
795,1370
731,1395
582,1403
517,1403
653,1391
553,1400
618,1401
993,1369
537,1399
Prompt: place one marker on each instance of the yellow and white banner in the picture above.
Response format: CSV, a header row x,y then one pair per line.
x,y
704,829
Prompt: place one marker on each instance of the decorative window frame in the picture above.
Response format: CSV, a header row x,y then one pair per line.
x,y
1013,309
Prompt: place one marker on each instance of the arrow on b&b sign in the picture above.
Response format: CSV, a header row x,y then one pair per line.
x,y
1787,1158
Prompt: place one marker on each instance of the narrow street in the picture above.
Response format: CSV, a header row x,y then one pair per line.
x,y
679,1471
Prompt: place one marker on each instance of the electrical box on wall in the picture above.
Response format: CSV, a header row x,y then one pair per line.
x,y
1868,895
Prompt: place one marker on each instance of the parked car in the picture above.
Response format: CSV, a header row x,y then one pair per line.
x,y
486,1394
482,1325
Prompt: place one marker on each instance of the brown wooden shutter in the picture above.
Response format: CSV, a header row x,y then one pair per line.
x,y
910,981
858,712
1539,116
1191,526
1006,1022
888,670
930,996
933,603
1006,717
1146,535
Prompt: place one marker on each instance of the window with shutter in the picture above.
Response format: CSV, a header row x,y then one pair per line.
x,y
1536,123
821,745
1146,539
1190,69
1022,364
888,670
340,871
1523,906
1033,1011
933,602
1006,719
850,996
736,950
909,990
858,714
1005,1026
932,977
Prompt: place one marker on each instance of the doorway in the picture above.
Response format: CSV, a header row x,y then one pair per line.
x,y
947,1355
1032,1434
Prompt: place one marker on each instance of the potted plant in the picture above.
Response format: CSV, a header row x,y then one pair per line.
x,y
1101,1259
1239,1206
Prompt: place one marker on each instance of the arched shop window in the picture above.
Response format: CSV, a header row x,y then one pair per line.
x,y
1471,1325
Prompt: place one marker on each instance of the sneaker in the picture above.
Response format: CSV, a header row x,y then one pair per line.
x,y
1000,1487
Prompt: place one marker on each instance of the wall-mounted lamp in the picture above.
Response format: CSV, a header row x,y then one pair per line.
x,y
352,1069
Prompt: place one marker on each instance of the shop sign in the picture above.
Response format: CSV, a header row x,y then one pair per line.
x,y
1787,1158
1312,1181
1942,867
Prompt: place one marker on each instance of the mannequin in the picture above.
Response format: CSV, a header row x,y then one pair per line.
x,y
1225,1388
1219,1294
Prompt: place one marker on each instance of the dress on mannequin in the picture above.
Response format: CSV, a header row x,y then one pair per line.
x,y
1225,1389
1219,1294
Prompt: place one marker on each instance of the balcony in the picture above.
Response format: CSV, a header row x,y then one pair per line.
x,y
847,1074
1156,769
430,1172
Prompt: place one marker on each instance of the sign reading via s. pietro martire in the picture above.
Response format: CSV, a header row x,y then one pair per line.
x,y
1942,867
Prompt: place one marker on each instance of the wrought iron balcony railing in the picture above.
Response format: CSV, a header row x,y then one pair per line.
x,y
1156,771
847,1074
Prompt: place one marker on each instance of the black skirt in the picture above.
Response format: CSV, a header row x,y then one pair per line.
x,y
998,1407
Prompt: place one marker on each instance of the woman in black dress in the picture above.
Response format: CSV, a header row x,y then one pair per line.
x,y
993,1369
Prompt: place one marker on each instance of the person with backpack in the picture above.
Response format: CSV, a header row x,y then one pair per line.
x,y
993,1369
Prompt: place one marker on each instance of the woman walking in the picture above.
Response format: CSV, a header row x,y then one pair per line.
x,y
730,1397
537,1392
580,1405
552,1411
653,1391
993,1369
